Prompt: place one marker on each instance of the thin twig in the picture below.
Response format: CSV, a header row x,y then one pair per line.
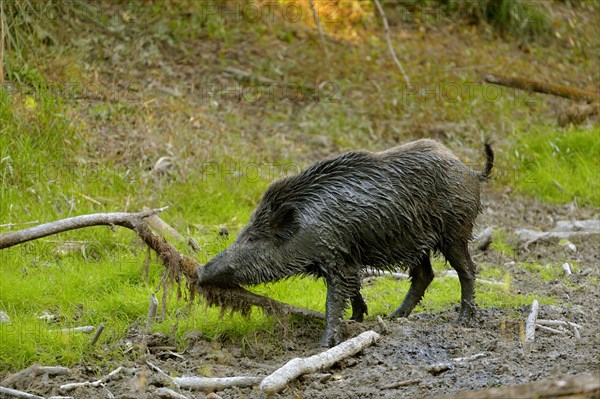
x,y
386,28
530,327
97,334
315,14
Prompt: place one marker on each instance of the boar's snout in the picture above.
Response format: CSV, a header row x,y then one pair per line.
x,y
217,272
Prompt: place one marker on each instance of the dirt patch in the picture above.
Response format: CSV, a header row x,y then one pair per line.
x,y
420,351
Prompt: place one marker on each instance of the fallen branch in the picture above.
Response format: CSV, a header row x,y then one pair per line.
x,y
82,329
74,385
129,220
215,384
18,394
402,384
298,366
388,39
550,329
169,394
541,87
545,322
163,228
530,327
32,372
562,230
371,272
175,262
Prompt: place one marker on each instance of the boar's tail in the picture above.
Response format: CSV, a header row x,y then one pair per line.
x,y
489,163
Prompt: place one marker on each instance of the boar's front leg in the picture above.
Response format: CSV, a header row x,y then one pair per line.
x,y
335,305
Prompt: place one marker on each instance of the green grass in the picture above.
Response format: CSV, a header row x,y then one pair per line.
x,y
558,165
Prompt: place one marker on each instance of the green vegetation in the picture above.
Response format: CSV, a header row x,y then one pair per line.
x,y
558,166
525,19
66,153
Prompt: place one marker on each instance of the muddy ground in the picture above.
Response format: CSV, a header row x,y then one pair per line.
x,y
418,350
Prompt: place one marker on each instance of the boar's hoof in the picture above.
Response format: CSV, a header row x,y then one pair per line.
x,y
399,313
329,340
466,317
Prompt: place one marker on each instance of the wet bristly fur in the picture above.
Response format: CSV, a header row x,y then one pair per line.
x,y
380,209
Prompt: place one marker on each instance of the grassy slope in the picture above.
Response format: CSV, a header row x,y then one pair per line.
x,y
61,157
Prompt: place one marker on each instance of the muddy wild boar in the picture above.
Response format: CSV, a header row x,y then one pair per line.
x,y
385,210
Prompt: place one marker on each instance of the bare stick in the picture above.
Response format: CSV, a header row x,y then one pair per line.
x,y
402,384
468,358
82,329
97,334
369,271
298,366
550,329
530,327
315,14
77,222
383,326
215,384
34,371
152,311
169,394
163,228
545,322
454,274
18,394
541,87
106,378
576,332
386,28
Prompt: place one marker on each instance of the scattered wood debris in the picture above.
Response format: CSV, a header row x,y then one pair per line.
x,y
298,366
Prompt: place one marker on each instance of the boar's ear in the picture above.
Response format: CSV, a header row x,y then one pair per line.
x,y
284,220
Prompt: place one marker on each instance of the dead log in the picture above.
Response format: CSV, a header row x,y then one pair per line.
x,y
573,387
298,366
541,87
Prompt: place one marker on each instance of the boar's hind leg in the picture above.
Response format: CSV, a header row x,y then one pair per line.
x,y
420,275
359,307
458,256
